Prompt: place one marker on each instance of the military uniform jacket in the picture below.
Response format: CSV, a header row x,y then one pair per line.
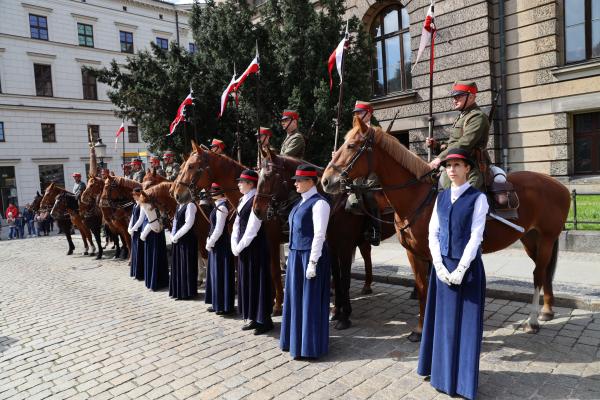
x,y
78,188
470,131
293,145
160,171
171,171
139,175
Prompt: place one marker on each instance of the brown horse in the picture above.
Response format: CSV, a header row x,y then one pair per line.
x,y
152,178
201,169
544,205
47,203
161,206
276,195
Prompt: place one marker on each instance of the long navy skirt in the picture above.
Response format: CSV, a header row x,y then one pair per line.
x,y
255,301
305,321
156,262
453,330
220,277
183,282
137,257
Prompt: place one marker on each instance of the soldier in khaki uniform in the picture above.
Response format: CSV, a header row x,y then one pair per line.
x,y
470,132
79,186
138,171
171,167
155,163
294,143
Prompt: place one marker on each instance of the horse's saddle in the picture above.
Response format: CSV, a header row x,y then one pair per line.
x,y
357,204
502,197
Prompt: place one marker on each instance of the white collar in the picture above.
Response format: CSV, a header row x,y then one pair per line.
x,y
456,192
309,193
221,201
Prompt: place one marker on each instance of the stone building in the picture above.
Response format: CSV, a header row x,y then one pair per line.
x,y
543,56
48,105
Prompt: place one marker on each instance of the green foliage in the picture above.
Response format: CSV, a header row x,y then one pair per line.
x,y
294,41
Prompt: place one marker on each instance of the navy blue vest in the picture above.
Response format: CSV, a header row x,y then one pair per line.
x,y
301,225
213,216
244,216
135,215
455,221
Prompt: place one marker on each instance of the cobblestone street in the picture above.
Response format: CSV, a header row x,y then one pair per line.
x,y
77,328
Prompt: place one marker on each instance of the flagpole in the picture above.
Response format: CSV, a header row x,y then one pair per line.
x,y
341,94
431,120
123,154
237,123
258,157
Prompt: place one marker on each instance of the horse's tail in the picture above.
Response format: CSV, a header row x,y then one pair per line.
x,y
553,262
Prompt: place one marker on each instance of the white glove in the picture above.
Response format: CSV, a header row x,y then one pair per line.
x,y
208,246
235,251
143,237
130,231
458,274
311,270
174,239
442,273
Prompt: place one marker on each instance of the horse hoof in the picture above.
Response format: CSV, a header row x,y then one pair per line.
x,y
99,256
85,253
366,290
546,316
531,328
70,252
415,337
343,324
277,312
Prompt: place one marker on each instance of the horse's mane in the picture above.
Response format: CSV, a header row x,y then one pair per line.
x,y
399,153
229,159
292,162
159,188
126,182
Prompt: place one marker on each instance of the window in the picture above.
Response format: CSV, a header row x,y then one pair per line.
x,y
2,139
48,133
8,187
192,48
38,27
132,132
90,90
587,143
162,43
51,173
126,42
43,80
86,35
582,30
390,62
94,132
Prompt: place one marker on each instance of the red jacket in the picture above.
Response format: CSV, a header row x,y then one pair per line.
x,y
14,210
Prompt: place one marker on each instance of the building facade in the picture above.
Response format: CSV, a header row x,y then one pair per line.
x,y
541,56
49,107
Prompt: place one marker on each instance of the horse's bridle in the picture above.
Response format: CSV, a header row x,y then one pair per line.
x,y
275,206
191,185
116,204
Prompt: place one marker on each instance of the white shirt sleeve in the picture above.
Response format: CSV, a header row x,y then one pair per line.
x,y
146,231
320,219
174,225
477,228
252,228
219,225
434,240
234,232
190,216
140,220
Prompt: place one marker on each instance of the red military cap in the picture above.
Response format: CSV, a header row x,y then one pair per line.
x,y
154,158
362,106
265,131
76,174
218,143
136,161
463,87
168,154
290,114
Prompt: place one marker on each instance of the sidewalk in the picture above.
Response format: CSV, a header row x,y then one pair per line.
x,y
509,274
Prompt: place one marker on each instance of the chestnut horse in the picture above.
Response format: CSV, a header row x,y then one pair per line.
x,y
50,194
345,231
544,205
202,168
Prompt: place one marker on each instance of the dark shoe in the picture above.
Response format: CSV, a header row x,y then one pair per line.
x,y
70,252
218,312
343,324
250,325
227,313
264,328
210,309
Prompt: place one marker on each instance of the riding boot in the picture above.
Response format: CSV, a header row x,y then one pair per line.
x,y
373,222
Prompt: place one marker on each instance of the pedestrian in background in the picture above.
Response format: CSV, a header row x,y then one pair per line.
x,y
28,217
12,229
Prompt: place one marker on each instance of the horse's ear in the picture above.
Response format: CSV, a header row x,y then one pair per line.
x,y
38,193
185,157
195,147
265,152
358,121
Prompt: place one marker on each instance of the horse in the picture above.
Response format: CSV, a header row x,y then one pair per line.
x,y
67,203
117,199
47,203
544,205
201,169
89,201
152,178
42,225
275,195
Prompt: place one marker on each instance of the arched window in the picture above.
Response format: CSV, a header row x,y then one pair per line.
x,y
390,66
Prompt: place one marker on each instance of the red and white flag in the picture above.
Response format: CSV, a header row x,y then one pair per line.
x,y
225,96
120,131
336,58
179,117
253,68
428,34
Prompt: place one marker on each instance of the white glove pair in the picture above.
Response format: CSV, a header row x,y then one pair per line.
x,y
311,270
454,278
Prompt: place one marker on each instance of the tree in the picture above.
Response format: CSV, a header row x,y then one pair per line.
x,y
294,42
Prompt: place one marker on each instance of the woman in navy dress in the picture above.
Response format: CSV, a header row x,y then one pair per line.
x,y
137,246
183,282
249,244
305,322
220,282
156,263
453,323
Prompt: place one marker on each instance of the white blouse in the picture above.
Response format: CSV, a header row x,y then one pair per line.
x,y
190,216
219,224
238,244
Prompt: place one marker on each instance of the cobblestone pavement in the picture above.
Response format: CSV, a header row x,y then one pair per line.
x,y
72,327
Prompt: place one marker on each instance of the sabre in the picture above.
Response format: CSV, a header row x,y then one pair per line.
x,y
507,222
